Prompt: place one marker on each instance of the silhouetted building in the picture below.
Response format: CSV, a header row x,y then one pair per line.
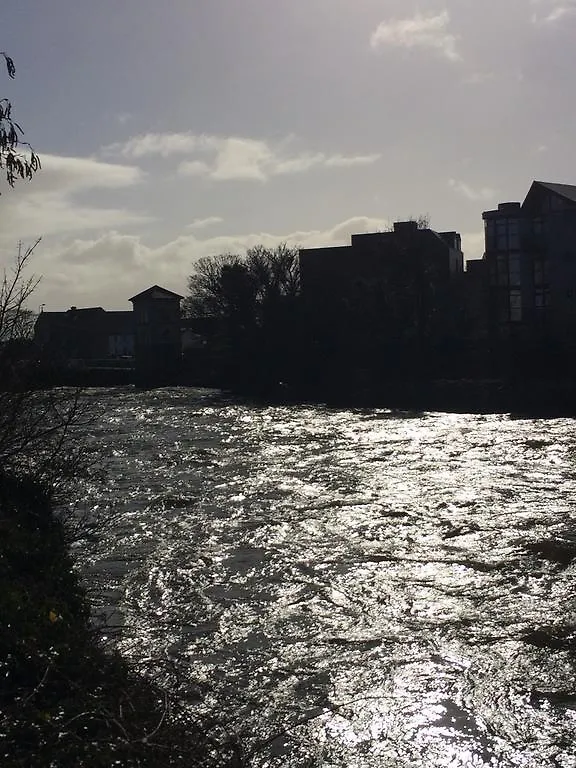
x,y
148,337
530,254
85,335
386,288
157,323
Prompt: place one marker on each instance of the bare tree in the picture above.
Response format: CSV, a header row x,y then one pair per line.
x,y
37,423
15,290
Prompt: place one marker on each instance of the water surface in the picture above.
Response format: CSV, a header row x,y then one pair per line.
x,y
345,587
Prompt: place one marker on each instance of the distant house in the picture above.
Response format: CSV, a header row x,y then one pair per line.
x,y
147,338
530,256
397,284
79,336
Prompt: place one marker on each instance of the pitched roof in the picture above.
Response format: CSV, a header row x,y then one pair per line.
x,y
564,190
156,292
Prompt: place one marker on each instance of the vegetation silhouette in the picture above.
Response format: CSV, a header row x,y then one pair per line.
x,y
252,303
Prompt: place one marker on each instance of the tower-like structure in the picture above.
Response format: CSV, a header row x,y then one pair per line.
x,y
157,321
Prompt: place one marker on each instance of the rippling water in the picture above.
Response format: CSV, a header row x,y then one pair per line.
x,y
346,587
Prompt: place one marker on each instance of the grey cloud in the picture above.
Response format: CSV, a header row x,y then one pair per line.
x,y
418,31
235,158
477,194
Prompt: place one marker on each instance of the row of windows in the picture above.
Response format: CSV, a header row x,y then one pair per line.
x,y
506,270
503,234
511,308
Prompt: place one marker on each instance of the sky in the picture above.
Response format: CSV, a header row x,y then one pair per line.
x,y
176,130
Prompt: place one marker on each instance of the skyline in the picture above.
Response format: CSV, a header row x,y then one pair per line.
x,y
167,134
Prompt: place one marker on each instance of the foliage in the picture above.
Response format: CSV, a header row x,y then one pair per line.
x,y
14,163
243,287
253,301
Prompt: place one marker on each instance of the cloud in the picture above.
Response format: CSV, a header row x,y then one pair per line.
x,y
234,158
49,204
203,223
552,10
107,269
162,144
78,173
341,161
418,32
193,168
475,194
251,160
242,159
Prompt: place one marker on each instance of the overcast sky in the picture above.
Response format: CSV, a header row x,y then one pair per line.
x,y
176,129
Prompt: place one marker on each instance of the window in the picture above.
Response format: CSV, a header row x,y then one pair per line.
x,y
513,234
540,271
542,298
503,308
514,269
502,268
515,306
502,235
538,226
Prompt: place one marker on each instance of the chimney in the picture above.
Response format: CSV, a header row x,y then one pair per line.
x,y
508,207
405,226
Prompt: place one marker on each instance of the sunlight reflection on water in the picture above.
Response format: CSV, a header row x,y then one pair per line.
x,y
346,587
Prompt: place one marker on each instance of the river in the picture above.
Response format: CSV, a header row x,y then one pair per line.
x,y
343,588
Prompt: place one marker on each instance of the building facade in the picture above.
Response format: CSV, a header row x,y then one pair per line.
x,y
84,336
157,326
398,286
147,338
530,256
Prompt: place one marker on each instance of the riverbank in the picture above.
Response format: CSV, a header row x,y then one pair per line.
x,y
535,398
547,397
64,699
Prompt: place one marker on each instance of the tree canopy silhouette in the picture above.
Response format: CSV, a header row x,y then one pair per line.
x,y
244,288
253,303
